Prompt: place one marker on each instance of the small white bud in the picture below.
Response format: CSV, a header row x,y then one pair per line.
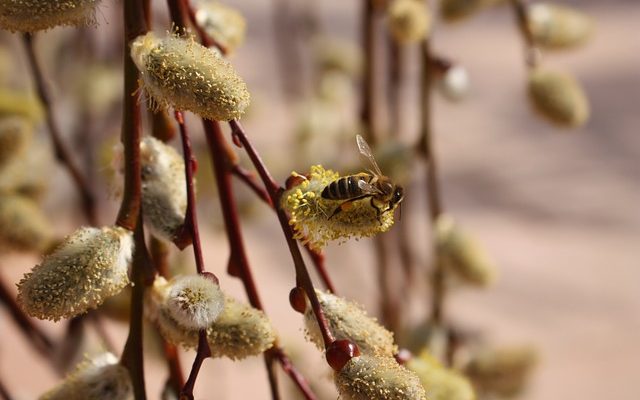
x,y
454,84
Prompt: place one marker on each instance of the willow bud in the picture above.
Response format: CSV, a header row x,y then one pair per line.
x,y
557,27
501,371
461,254
317,220
37,15
222,23
23,226
409,20
441,383
183,74
101,378
15,135
87,268
164,190
558,97
195,301
347,320
454,84
371,377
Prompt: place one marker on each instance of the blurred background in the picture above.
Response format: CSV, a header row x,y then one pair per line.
x,y
557,209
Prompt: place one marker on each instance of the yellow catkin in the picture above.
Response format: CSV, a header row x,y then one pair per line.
x,y
81,273
310,214
558,97
101,378
557,27
439,382
15,136
37,15
462,255
348,320
370,377
23,226
334,55
20,103
239,331
224,24
28,173
183,74
409,20
502,371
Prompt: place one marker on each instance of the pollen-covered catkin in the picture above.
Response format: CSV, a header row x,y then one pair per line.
x,y
164,190
224,24
37,15
557,27
88,267
371,377
461,254
183,74
23,226
558,97
101,378
440,383
15,135
409,20
313,218
194,301
348,320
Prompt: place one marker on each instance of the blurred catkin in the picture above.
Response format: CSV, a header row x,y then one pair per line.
x,y
372,377
23,225
222,23
81,273
348,320
37,15
439,382
183,74
558,97
409,20
555,26
20,103
101,378
15,136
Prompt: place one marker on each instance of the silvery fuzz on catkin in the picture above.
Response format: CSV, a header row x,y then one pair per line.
x,y
558,27
238,332
462,255
15,136
222,23
37,15
558,97
371,377
23,225
439,382
100,378
409,20
164,190
185,75
348,320
87,268
194,301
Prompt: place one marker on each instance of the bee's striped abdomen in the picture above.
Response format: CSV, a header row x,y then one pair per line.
x,y
344,188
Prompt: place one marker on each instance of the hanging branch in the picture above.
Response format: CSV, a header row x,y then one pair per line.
x,y
532,52
62,153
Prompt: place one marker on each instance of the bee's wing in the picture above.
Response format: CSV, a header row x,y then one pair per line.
x,y
368,188
365,150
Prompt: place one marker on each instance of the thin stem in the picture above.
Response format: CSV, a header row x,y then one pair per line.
x,y
248,178
202,354
4,392
388,300
62,153
205,38
438,284
239,266
40,341
275,192
317,257
368,99
396,75
532,52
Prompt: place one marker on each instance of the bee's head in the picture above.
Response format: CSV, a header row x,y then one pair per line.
x,y
398,195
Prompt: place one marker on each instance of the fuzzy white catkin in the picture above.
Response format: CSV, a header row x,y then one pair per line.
x,y
224,24
101,378
454,84
37,15
183,74
194,301
81,273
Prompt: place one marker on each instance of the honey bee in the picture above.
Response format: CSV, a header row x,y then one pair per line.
x,y
384,194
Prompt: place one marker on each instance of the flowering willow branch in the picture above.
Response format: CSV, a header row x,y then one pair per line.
x,y
62,153
532,52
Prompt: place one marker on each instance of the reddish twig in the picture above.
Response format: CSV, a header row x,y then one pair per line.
x,y
4,392
368,99
532,52
62,153
248,178
303,279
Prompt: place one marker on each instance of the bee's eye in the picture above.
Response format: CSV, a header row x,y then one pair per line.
x,y
398,194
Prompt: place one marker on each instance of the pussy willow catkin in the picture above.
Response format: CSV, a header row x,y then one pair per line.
x,y
15,135
23,225
409,20
557,27
440,383
223,23
37,15
180,73
87,268
558,97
